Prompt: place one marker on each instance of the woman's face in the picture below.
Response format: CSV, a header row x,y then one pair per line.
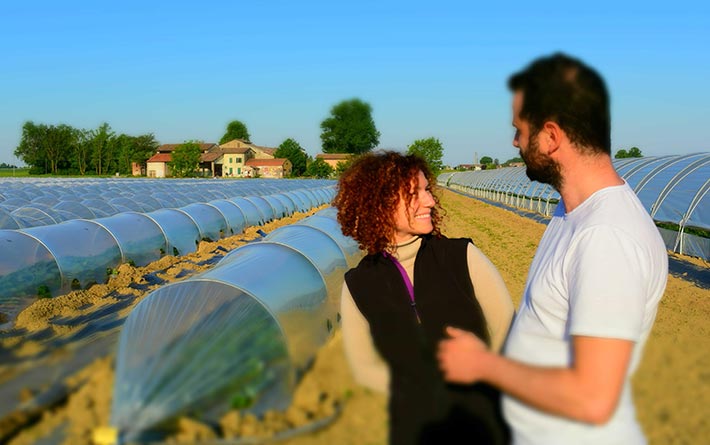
x,y
415,218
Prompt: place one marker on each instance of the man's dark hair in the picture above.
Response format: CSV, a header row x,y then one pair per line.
x,y
564,90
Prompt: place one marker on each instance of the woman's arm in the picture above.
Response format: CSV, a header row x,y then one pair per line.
x,y
365,362
492,295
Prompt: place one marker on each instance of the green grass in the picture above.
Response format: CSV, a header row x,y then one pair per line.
x,y
10,172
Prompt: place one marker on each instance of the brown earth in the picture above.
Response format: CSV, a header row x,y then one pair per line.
x,y
672,385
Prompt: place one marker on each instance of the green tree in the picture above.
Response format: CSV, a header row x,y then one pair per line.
x,y
130,149
102,148
635,152
185,159
319,169
30,149
621,154
144,146
292,150
81,151
486,160
124,151
349,128
511,160
431,150
341,166
235,130
46,148
57,142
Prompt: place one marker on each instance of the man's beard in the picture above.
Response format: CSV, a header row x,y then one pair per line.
x,y
540,168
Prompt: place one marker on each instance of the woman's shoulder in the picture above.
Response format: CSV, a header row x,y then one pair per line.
x,y
367,262
446,242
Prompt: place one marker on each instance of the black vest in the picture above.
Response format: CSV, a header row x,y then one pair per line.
x,y
423,408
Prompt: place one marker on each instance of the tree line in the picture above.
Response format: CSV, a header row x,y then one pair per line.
x,y
63,149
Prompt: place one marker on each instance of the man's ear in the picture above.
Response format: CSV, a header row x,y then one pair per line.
x,y
552,136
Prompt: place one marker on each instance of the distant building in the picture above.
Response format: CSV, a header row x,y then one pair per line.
x,y
235,156
268,168
333,159
137,169
157,165
469,167
227,160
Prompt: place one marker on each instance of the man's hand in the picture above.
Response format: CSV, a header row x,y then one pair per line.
x,y
461,356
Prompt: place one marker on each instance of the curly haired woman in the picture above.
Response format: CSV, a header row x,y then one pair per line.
x,y
391,327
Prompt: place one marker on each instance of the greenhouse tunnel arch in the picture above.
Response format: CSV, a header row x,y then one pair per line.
x,y
244,274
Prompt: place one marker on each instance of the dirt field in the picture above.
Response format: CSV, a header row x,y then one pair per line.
x,y
672,385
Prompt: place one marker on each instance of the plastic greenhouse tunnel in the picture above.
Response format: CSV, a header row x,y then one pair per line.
x,y
673,189
60,235
238,336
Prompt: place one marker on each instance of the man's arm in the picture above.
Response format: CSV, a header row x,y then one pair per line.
x,y
587,391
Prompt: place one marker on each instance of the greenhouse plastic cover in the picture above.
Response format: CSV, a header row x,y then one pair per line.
x,y
114,195
673,189
242,332
84,250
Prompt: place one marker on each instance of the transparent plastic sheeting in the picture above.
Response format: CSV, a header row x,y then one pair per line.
x,y
31,202
673,189
238,335
82,251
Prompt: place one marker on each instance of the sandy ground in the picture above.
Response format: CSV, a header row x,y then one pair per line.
x,y
47,402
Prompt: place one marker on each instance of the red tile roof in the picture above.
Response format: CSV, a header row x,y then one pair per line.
x,y
160,157
210,157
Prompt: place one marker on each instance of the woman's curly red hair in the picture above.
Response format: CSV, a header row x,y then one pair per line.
x,y
369,192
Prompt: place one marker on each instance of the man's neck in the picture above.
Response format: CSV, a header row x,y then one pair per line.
x,y
584,175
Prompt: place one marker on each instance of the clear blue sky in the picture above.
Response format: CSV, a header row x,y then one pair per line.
x,y
183,70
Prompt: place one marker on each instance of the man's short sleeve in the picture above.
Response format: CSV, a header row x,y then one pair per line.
x,y
607,289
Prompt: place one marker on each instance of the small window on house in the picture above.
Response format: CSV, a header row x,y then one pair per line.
x,y
239,160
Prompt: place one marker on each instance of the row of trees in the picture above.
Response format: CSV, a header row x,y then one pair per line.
x,y
62,149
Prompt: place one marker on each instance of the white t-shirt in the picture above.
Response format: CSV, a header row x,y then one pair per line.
x,y
599,271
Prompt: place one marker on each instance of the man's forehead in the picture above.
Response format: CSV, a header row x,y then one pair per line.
x,y
517,105
518,100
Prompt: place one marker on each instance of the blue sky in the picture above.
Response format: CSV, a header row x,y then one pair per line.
x,y
183,70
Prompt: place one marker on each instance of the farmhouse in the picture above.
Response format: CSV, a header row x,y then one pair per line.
x,y
157,165
226,160
268,168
